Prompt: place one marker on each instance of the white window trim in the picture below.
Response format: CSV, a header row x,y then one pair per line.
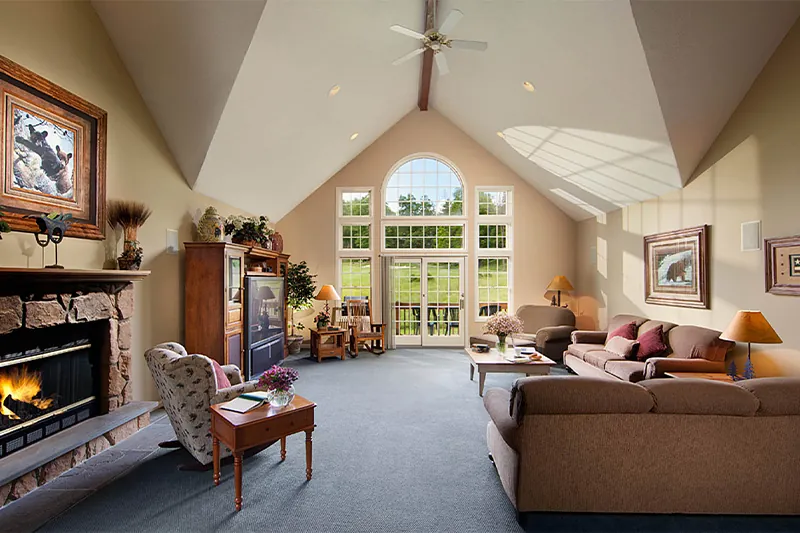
x,y
424,221
354,221
341,190
494,253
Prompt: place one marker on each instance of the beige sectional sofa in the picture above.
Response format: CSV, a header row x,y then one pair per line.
x,y
689,349
579,444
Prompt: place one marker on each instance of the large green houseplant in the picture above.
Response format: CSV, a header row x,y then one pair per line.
x,y
300,295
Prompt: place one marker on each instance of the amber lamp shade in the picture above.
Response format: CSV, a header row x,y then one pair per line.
x,y
327,293
558,284
750,326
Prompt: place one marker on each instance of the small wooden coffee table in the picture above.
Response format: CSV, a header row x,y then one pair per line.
x,y
322,349
492,361
242,431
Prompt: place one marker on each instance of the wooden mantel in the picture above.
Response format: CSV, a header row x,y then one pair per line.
x,y
51,276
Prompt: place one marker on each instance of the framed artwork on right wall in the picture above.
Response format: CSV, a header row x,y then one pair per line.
x,y
782,265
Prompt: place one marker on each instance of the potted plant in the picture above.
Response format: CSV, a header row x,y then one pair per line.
x,y
249,231
4,227
322,319
299,295
130,216
502,324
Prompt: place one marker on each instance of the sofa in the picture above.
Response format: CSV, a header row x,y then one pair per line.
x,y
546,327
582,444
689,349
188,386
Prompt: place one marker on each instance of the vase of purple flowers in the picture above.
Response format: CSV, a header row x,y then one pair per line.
x,y
278,382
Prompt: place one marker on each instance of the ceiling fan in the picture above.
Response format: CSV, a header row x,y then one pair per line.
x,y
437,40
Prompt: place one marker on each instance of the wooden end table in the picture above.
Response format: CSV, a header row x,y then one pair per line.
x,y
714,376
322,349
242,431
492,361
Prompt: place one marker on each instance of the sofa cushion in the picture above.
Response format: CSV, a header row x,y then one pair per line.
x,y
578,395
622,347
632,371
626,331
652,324
694,342
497,403
220,378
776,396
599,358
580,350
651,343
697,396
621,320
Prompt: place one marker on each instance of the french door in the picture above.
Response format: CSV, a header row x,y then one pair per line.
x,y
429,301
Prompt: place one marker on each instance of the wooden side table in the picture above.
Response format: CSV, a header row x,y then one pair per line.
x,y
323,349
242,431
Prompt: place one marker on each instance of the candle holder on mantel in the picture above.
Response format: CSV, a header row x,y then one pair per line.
x,y
52,228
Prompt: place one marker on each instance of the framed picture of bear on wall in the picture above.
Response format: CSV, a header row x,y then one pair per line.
x,y
676,268
52,153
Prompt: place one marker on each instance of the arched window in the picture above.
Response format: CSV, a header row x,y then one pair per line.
x,y
424,187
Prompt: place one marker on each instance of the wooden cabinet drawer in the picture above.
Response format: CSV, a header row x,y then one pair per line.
x,y
257,434
235,315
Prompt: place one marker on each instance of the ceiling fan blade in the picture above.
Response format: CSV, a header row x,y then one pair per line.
x,y
408,56
441,64
479,46
405,31
450,22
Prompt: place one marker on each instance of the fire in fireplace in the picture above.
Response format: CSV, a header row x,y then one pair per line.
x,y
47,386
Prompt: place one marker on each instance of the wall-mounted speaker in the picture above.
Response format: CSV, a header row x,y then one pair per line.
x,y
751,236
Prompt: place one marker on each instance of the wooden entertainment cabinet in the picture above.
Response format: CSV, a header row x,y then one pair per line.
x,y
214,310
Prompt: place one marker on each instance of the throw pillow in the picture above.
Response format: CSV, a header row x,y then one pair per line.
x,y
219,376
651,343
626,331
622,347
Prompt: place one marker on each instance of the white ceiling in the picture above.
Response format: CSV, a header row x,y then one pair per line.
x,y
628,98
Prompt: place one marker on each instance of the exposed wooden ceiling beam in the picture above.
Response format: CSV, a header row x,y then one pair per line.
x,y
427,57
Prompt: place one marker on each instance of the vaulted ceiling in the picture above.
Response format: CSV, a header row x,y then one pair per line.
x,y
629,95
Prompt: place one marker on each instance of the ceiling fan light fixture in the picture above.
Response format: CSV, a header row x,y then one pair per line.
x,y
353,136
334,90
528,86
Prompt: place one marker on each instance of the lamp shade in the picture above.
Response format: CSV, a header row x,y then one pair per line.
x,y
327,292
750,326
560,283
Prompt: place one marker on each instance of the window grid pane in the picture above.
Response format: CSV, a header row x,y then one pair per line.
x,y
356,237
493,288
493,203
356,204
424,187
493,236
355,278
425,237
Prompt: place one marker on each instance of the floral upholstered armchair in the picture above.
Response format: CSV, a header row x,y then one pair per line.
x,y
189,385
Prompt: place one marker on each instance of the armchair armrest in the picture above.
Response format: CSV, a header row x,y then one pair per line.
x,y
589,337
656,366
224,395
233,374
553,333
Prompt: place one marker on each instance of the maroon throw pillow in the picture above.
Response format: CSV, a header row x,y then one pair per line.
x,y
626,331
651,343
222,380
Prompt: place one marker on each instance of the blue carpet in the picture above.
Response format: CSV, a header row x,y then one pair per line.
x,y
400,446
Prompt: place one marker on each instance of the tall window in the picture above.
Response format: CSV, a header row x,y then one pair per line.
x,y
424,187
494,248
355,241
356,278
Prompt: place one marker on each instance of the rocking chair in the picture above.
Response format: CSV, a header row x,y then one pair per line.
x,y
362,330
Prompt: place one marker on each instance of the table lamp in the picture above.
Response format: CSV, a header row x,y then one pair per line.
x,y
327,293
560,283
750,326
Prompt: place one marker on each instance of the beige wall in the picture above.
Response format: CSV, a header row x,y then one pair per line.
x,y
544,237
70,47
752,172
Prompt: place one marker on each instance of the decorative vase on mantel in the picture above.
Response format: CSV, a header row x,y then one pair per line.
x,y
280,398
501,344
210,227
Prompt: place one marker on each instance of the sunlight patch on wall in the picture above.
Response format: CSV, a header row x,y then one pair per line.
x,y
632,276
589,208
602,254
619,169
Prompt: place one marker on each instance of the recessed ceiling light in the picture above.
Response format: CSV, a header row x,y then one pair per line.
x,y
528,86
353,136
501,134
334,90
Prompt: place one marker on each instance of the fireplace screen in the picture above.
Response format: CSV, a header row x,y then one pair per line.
x,y
43,393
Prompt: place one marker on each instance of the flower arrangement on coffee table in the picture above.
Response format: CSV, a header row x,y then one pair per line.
x,y
279,384
502,324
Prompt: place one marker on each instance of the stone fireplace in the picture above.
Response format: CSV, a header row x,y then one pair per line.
x,y
65,384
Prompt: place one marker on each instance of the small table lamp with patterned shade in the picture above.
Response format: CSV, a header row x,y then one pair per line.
x,y
750,326
559,284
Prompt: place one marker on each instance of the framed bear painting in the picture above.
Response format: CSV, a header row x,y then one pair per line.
x,y
52,154
676,268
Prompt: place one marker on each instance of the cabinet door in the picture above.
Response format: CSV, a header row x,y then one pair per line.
x,y
233,349
234,290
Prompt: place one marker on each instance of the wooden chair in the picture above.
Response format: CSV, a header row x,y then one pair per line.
x,y
362,330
